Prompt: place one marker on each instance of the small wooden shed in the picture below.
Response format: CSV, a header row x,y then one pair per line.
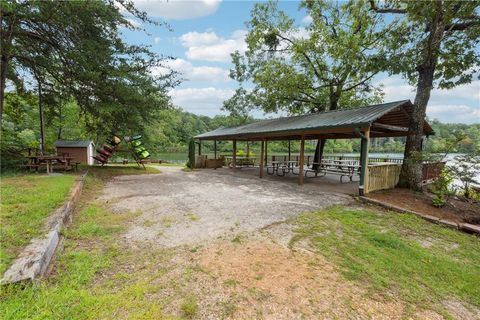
x,y
81,150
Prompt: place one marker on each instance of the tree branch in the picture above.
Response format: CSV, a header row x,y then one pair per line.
x,y
375,8
462,25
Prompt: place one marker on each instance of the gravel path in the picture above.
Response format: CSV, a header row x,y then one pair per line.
x,y
190,208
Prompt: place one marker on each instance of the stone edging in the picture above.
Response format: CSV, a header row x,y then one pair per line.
x,y
466,227
35,258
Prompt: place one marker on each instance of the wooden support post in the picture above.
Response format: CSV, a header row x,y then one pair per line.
x,y
200,147
362,188
266,152
289,149
261,158
234,157
215,149
302,161
248,150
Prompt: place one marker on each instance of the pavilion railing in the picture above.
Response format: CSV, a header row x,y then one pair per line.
x,y
382,176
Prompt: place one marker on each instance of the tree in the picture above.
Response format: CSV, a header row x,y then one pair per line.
x,y
74,49
437,43
326,66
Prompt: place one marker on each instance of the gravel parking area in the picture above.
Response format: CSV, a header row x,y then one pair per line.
x,y
183,208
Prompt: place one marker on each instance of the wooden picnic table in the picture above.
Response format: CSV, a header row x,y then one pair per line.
x,y
63,161
285,166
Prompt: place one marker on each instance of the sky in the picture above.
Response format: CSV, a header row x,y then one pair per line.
x,y
204,34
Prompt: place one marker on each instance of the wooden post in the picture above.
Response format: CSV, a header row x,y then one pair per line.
x,y
364,163
215,149
289,149
302,161
200,147
248,150
261,158
234,157
266,152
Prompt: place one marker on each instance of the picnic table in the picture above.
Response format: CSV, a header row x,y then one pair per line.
x,y
344,168
281,167
50,161
241,161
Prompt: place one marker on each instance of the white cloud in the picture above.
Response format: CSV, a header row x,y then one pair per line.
x,y
157,40
205,101
209,46
458,105
194,73
192,39
396,88
451,113
307,19
178,9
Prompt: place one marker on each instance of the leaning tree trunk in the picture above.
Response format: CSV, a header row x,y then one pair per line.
x,y
411,174
317,158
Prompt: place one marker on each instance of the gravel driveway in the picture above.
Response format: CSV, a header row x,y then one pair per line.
x,y
177,208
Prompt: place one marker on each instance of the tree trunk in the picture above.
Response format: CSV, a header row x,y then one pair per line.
x,y
5,44
42,122
411,174
3,77
317,158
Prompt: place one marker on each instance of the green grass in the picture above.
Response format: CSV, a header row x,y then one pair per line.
x,y
26,201
189,307
77,289
419,261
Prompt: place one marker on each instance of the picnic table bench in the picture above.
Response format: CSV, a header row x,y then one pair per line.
x,y
281,167
344,168
51,162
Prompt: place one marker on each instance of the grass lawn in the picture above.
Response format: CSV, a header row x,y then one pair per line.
x,y
417,261
99,276
26,201
75,290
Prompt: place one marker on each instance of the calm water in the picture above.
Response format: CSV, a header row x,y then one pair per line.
x,y
181,158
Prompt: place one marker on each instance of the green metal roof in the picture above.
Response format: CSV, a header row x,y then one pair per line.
x,y
73,143
289,126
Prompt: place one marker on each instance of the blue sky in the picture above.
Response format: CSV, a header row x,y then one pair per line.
x,y
206,32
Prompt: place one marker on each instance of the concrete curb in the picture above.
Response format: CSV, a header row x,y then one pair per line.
x,y
466,227
35,258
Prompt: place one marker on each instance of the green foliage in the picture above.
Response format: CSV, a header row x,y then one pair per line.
x,y
442,189
53,44
439,200
189,307
326,66
26,201
412,30
385,251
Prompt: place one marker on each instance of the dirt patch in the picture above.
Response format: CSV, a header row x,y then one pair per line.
x,y
456,211
267,280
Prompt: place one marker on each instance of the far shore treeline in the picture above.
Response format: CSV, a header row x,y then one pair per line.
x,y
171,130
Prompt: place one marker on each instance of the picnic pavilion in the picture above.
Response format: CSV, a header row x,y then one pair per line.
x,y
381,120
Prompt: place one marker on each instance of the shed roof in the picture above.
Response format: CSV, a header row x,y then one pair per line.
x,y
384,120
73,143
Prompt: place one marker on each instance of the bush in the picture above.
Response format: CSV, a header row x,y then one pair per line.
x,y
441,188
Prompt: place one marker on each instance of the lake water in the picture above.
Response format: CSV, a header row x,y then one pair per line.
x,y
181,158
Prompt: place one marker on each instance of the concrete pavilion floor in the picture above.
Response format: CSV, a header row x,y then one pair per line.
x,y
328,183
